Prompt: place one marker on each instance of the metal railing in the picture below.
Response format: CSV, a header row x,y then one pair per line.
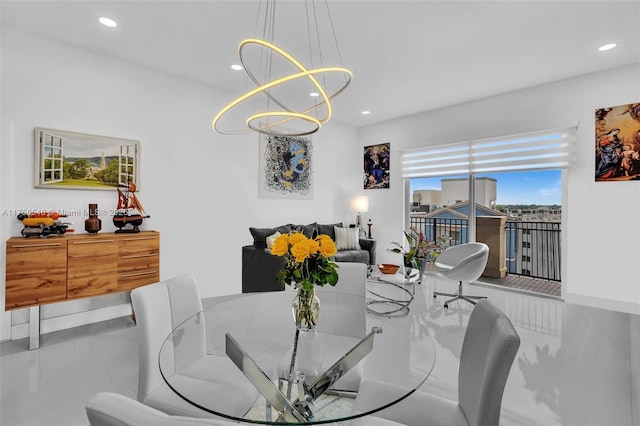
x,y
532,248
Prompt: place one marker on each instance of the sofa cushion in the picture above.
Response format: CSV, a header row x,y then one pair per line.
x,y
347,238
260,234
272,238
309,231
327,229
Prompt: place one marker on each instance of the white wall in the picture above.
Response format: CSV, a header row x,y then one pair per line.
x,y
601,230
200,187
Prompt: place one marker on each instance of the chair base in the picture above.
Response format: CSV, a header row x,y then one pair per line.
x,y
455,297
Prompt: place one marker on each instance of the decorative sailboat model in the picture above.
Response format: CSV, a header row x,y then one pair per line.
x,y
129,212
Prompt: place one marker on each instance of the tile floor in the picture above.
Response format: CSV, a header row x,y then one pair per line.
x,y
575,366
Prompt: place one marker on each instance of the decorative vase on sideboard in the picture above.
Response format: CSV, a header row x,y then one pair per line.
x,y
93,224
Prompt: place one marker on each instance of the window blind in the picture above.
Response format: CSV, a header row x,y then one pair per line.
x,y
550,149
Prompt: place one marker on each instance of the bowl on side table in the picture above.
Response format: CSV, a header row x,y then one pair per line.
x,y
388,268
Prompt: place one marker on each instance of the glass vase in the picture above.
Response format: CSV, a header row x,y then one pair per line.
x,y
305,308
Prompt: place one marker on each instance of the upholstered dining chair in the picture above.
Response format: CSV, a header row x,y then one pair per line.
x,y
112,409
159,308
341,324
488,349
462,263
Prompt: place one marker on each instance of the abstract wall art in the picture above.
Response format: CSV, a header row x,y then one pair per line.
x,y
285,167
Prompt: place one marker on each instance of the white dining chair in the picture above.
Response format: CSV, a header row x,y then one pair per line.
x,y
159,308
112,409
489,347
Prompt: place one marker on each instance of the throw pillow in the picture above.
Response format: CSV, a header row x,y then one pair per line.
x,y
328,229
347,238
260,234
271,239
309,231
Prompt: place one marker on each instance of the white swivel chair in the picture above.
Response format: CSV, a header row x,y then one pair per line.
x,y
489,347
159,308
341,324
464,262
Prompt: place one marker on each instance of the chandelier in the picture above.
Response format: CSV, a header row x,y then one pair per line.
x,y
284,91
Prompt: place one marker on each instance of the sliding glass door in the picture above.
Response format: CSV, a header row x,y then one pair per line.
x,y
505,191
519,212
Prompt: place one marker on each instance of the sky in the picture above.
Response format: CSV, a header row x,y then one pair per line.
x,y
534,187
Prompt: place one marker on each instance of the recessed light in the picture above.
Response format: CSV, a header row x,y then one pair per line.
x,y
107,22
236,67
607,46
314,94
366,112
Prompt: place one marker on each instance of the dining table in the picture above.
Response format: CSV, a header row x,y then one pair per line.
x,y
257,332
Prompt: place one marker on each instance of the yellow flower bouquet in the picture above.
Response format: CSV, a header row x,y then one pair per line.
x,y
307,264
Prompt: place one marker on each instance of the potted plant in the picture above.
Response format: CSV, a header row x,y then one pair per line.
x,y
419,249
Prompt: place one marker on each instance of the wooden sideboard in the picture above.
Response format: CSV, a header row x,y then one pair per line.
x,y
55,269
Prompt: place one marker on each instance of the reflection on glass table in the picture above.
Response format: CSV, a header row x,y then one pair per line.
x,y
261,325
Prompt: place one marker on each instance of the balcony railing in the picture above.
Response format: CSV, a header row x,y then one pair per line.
x,y
532,248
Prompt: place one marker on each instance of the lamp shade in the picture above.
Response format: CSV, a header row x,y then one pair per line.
x,y
360,203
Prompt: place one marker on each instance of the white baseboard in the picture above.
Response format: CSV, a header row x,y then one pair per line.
x,y
597,302
48,325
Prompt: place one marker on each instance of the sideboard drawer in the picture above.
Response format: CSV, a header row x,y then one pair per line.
x,y
36,272
138,260
128,280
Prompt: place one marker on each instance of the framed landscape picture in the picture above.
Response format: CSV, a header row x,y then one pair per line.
x,y
376,166
617,146
71,160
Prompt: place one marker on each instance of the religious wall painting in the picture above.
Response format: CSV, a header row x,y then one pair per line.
x,y
376,166
617,143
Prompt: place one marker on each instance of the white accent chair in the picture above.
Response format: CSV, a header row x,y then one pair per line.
x,y
464,262
341,324
112,409
158,309
489,347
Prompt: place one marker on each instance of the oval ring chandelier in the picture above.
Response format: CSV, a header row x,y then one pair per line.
x,y
269,121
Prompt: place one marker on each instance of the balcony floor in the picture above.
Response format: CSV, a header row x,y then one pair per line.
x,y
522,282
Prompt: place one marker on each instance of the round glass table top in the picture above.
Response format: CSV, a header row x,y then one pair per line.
x,y
257,329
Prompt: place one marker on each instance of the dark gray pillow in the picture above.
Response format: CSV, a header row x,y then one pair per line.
x,y
260,234
328,229
309,231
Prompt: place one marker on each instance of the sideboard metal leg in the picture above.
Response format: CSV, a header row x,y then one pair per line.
x,y
34,327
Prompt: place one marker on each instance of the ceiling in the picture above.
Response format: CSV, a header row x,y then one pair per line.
x,y
406,56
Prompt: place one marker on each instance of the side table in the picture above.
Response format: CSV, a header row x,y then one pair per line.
x,y
392,293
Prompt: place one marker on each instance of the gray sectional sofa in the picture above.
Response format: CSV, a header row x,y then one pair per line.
x,y
260,267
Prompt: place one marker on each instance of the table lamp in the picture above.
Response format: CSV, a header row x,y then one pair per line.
x,y
359,204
